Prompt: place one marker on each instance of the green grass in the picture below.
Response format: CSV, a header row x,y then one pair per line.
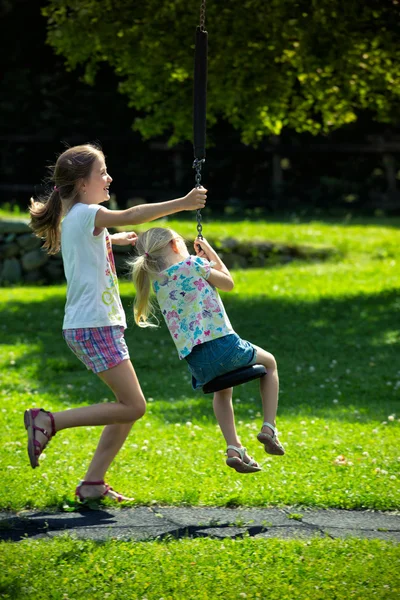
x,y
348,236
279,570
333,328
12,212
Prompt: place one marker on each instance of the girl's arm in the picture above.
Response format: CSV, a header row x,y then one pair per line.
x,y
148,212
219,276
124,238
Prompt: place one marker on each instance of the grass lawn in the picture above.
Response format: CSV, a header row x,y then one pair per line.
x,y
334,329
188,570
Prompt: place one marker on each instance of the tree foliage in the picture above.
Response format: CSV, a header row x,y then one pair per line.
x,y
308,65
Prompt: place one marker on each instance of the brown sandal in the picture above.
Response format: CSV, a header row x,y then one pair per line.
x,y
271,443
238,463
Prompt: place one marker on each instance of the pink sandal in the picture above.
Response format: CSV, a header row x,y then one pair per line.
x,y
35,449
105,494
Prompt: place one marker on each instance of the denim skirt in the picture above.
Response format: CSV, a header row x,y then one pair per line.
x,y
217,357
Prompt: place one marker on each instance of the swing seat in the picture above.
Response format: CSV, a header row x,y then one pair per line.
x,y
233,378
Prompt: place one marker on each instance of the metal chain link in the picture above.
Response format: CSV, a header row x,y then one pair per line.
x,y
197,164
203,15
199,226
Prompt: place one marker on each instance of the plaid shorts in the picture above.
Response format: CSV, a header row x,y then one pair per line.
x,y
99,348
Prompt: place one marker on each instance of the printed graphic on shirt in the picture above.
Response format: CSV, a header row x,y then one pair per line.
x,y
110,296
191,307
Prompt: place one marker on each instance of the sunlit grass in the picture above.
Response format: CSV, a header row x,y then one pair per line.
x,y
362,236
320,569
333,329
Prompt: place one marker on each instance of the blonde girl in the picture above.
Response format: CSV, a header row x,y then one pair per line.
x,y
186,290
71,216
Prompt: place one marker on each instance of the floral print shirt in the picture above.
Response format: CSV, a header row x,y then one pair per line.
x,y
191,307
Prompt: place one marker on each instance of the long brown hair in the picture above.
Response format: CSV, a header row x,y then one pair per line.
x,y
151,260
72,166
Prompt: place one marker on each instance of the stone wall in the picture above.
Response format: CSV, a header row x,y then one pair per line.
x,y
23,260
244,254
21,257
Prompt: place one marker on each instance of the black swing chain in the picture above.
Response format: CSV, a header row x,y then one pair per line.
x,y
197,164
203,15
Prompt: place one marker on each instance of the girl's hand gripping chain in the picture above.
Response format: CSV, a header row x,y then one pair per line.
x,y
220,276
204,250
195,199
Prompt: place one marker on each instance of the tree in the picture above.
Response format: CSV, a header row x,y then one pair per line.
x,y
310,66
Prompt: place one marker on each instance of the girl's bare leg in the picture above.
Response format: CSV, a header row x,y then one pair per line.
x,y
223,410
130,405
111,441
126,387
119,418
269,387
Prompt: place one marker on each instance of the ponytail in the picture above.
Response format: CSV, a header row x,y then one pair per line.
x,y
143,307
45,220
151,260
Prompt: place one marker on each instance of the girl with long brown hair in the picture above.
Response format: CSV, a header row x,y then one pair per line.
x,y
94,322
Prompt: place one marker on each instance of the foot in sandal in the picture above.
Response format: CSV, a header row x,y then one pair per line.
x,y
268,436
240,461
88,491
40,427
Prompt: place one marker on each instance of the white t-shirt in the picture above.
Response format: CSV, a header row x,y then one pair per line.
x,y
92,285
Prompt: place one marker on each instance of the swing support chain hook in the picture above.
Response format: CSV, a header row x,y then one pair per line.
x,y
203,15
197,164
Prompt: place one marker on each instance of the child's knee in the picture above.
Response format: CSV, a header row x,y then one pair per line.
x,y
137,409
273,363
141,408
267,359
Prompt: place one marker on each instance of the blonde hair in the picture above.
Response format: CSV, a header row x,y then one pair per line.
x,y
151,249
72,166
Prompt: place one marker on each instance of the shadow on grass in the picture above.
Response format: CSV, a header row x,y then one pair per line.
x,y
334,357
